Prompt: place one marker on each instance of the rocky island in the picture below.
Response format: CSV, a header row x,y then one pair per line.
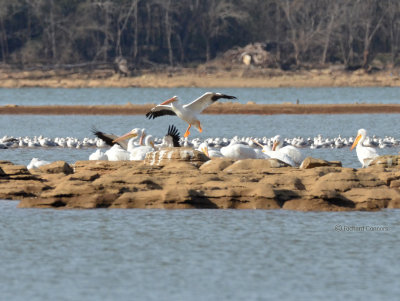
x,y
185,178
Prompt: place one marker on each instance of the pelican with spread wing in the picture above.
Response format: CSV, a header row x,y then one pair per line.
x,y
187,112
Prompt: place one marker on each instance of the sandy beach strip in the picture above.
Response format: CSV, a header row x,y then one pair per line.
x,y
217,108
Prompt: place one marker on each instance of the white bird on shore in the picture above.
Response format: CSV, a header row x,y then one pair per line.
x,y
186,112
365,154
292,152
117,153
36,163
98,155
238,151
209,151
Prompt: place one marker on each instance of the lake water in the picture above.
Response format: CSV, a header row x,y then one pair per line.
x,y
197,255
108,96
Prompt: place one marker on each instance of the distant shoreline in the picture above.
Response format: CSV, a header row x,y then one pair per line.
x,y
200,77
217,108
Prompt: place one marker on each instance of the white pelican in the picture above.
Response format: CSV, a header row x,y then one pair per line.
x,y
269,153
98,155
110,139
36,163
238,151
291,151
139,152
208,151
186,112
171,139
365,154
119,150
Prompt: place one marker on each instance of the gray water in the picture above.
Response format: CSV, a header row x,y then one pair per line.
x,y
108,96
197,255
329,126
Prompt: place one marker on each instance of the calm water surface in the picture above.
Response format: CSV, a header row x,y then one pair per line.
x,y
91,96
197,255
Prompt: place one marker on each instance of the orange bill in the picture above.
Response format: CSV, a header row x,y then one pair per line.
x,y
168,101
129,135
355,142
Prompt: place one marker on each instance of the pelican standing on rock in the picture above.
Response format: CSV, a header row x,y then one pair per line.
x,y
365,154
187,112
291,151
238,151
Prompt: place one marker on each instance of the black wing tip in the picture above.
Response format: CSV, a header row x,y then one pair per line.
x,y
103,136
174,133
217,96
96,132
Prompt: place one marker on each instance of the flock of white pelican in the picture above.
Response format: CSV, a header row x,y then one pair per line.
x,y
135,144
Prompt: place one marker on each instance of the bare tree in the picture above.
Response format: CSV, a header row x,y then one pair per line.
x,y
216,17
372,13
393,26
304,25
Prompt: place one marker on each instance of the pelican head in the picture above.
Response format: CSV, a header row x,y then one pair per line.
x,y
361,134
276,142
132,134
204,148
171,100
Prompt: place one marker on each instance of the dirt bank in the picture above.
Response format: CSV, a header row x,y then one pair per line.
x,y
200,77
217,108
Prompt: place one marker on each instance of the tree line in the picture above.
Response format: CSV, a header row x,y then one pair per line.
x,y
298,33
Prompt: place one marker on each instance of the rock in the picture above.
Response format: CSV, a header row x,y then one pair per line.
x,y
372,199
14,170
178,183
310,162
57,167
19,189
216,165
386,161
255,165
312,205
169,154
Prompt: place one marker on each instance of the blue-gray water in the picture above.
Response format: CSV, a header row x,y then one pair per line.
x,y
104,96
197,255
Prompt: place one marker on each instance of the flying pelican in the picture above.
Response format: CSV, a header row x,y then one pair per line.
x,y
186,112
365,154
